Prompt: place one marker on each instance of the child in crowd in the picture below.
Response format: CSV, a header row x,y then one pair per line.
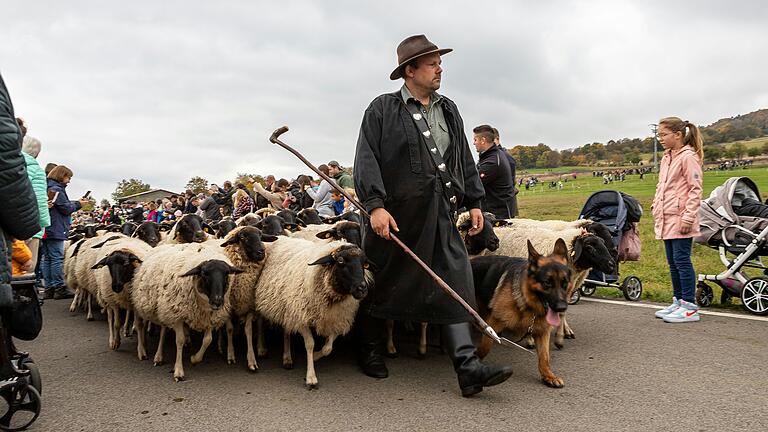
x,y
337,202
676,212
21,258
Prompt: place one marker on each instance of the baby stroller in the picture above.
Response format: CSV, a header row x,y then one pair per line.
x,y
20,383
734,221
618,212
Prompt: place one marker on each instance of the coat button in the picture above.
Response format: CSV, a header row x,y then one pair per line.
x,y
433,150
441,167
417,116
453,200
448,185
427,133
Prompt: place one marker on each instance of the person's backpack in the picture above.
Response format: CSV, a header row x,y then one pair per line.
x,y
634,209
629,246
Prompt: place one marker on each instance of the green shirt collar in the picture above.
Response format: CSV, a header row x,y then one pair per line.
x,y
433,98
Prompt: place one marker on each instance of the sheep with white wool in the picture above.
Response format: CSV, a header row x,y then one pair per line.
x,y
178,286
189,228
343,230
245,249
114,274
80,277
305,286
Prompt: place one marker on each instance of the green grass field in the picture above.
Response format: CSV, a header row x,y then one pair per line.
x,y
545,203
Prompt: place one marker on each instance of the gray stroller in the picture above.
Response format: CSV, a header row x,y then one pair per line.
x,y
735,222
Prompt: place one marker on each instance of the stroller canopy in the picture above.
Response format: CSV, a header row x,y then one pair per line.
x,y
606,207
717,211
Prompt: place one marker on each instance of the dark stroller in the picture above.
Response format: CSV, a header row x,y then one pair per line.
x,y
610,208
728,226
20,384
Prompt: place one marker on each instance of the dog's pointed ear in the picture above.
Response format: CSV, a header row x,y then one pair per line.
x,y
193,271
332,233
326,260
561,249
533,254
100,264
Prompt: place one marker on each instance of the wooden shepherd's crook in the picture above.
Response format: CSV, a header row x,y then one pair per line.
x,y
488,330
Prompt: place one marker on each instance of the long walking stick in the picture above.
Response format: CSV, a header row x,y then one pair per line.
x,y
488,330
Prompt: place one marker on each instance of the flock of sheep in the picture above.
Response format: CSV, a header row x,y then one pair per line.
x,y
297,271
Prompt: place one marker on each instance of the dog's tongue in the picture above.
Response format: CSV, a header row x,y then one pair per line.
x,y
553,318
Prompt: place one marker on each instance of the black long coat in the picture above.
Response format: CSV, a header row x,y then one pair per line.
x,y
394,170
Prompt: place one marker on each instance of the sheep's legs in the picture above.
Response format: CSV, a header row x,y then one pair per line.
x,y
230,345
141,348
309,345
114,342
252,365
126,326
326,350
287,358
220,340
89,298
178,368
391,350
207,338
111,329
76,300
261,346
159,353
423,341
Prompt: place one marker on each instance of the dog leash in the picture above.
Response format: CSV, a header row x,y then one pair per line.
x,y
530,330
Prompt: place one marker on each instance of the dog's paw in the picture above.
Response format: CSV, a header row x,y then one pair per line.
x,y
553,381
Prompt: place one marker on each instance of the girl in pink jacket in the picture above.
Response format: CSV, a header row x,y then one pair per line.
x,y
676,212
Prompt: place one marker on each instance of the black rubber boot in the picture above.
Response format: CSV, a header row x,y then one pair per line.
x,y
473,375
63,292
370,339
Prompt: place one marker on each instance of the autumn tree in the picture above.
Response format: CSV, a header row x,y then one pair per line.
x,y
197,184
129,187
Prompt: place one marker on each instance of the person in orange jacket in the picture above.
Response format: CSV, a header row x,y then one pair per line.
x,y
21,258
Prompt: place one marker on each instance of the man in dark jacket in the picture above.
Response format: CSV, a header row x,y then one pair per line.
x,y
19,216
413,169
512,169
494,173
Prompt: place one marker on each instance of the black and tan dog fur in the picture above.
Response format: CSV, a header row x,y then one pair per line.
x,y
512,293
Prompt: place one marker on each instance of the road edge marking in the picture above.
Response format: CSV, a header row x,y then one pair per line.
x,y
701,311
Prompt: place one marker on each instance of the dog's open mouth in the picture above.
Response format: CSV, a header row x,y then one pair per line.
x,y
553,318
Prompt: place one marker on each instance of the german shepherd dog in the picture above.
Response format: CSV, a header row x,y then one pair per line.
x,y
524,297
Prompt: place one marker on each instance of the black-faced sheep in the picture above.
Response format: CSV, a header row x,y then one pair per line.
x,y
178,286
344,230
190,228
323,295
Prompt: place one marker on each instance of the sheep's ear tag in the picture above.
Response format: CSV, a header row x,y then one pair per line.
x,y
327,235
207,230
573,253
499,223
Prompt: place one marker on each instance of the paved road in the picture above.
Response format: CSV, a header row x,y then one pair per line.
x,y
625,371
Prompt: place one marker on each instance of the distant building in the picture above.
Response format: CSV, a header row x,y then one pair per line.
x,y
150,195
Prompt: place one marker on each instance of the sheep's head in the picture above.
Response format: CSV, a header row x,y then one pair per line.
x,y
190,229
485,239
604,233
349,231
250,241
309,216
128,228
274,225
148,232
289,216
213,280
121,265
348,264
589,251
224,227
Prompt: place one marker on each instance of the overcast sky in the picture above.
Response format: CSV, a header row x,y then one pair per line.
x,y
162,91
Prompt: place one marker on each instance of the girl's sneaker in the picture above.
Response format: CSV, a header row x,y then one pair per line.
x,y
687,312
669,309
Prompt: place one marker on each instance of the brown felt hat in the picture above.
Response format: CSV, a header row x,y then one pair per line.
x,y
412,47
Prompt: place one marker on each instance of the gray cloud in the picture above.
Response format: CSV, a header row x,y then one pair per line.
x,y
166,91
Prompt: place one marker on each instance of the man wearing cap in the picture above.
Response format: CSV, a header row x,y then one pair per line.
x,y
413,170
342,179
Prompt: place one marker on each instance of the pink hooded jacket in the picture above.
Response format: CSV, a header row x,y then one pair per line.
x,y
678,194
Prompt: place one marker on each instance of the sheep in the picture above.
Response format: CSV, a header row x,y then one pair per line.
x,y
180,285
147,231
244,248
81,277
275,225
71,252
248,219
121,257
347,216
224,226
555,225
586,250
344,230
188,229
309,216
324,295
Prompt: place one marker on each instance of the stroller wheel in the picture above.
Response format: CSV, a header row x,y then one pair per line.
x,y
19,405
704,295
575,297
754,296
588,290
632,288
34,374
